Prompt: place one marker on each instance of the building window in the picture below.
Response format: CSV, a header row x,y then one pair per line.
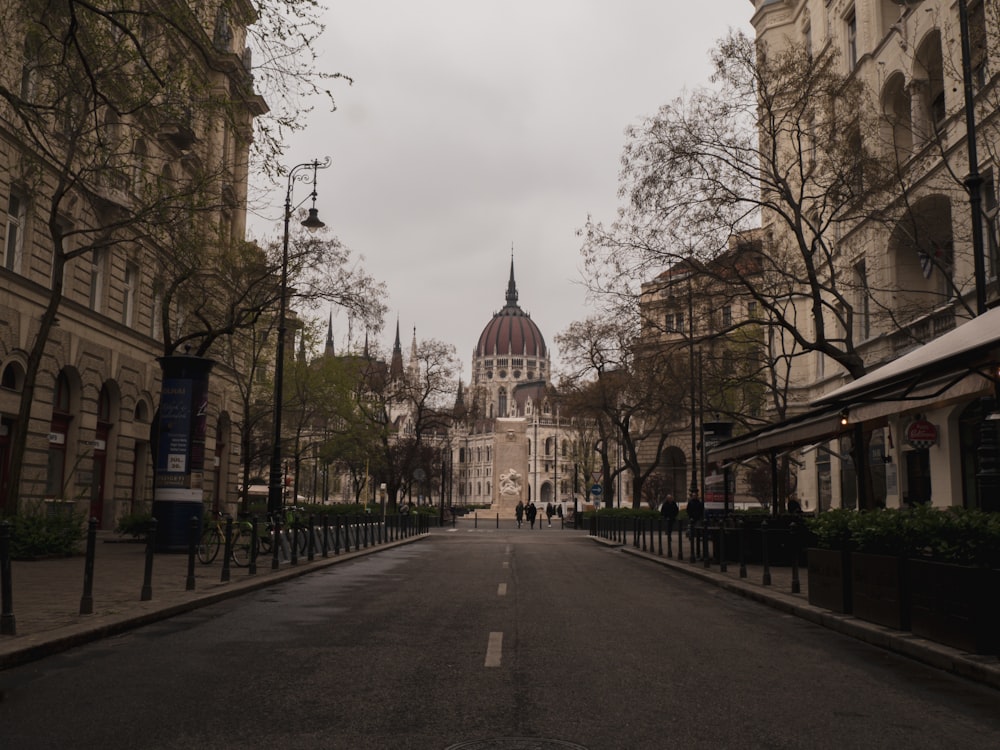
x,y
14,244
96,280
862,303
130,292
752,309
989,201
502,403
156,314
29,70
727,316
977,43
852,39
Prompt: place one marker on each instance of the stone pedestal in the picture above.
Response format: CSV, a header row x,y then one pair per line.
x,y
510,466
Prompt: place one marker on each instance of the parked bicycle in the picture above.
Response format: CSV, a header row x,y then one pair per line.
x,y
214,535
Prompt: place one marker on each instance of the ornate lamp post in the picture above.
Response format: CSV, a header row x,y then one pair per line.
x,y
312,223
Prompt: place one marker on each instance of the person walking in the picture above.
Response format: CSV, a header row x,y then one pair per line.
x,y
531,511
670,511
549,512
519,513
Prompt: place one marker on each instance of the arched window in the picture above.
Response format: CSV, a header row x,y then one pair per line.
x,y
502,403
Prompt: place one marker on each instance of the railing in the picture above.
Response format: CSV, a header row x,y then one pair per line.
x,y
717,542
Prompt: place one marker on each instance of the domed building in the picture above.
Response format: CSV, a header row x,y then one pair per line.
x,y
510,444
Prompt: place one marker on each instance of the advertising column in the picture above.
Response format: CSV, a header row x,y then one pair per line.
x,y
178,487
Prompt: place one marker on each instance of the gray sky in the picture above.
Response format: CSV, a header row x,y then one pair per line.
x,y
476,125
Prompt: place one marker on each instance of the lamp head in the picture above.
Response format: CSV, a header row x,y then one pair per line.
x,y
312,222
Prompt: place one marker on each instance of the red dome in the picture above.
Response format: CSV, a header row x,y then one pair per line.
x,y
511,332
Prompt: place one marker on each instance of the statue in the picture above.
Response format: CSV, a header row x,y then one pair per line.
x,y
510,483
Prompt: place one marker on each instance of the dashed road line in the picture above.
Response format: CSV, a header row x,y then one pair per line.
x,y
502,589
494,648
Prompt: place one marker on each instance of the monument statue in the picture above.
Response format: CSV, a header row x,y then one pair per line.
x,y
510,483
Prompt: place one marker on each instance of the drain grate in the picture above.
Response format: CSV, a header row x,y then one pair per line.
x,y
515,743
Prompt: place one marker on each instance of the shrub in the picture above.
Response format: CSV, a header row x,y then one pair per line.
x,y
37,533
134,524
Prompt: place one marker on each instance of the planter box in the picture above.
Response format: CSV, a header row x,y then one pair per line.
x,y
879,590
955,605
829,579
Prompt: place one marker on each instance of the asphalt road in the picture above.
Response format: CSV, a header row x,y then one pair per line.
x,y
490,639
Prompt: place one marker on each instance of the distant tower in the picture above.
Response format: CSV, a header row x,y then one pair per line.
x,y
328,351
396,363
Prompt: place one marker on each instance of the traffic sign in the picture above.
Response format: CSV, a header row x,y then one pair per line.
x,y
596,490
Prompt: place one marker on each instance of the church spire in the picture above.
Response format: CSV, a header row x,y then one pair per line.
x,y
396,364
329,337
511,286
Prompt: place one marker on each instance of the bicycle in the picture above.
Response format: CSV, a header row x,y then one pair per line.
x,y
213,536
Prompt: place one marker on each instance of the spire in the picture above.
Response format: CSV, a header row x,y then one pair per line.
x,y
329,337
511,286
396,364
302,346
413,347
367,354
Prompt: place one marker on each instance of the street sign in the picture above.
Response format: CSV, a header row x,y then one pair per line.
x,y
596,490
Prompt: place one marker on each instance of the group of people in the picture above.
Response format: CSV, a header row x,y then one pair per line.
x,y
670,510
529,510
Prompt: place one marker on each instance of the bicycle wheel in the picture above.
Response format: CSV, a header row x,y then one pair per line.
x,y
241,548
264,541
209,545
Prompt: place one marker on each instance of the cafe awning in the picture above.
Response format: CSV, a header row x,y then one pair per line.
x,y
956,365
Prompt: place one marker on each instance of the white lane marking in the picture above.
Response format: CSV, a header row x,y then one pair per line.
x,y
502,589
494,649
506,565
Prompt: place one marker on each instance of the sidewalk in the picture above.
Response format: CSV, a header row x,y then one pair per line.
x,y
47,594
778,595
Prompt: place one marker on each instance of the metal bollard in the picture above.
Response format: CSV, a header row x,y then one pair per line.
x,y
659,531
693,545
794,530
670,539
87,600
275,543
763,547
193,535
147,579
680,541
227,550
310,546
336,535
326,535
293,538
704,544
723,565
254,546
743,548
8,625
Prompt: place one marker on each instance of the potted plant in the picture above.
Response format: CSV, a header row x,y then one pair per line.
x,y
881,541
828,564
954,579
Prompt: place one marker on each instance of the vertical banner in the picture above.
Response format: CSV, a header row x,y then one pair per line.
x,y
182,425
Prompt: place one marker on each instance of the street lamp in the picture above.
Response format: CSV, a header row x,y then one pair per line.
x,y
312,223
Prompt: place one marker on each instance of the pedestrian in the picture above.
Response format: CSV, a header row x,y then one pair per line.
x,y
519,512
669,511
531,511
549,512
794,506
559,510
695,508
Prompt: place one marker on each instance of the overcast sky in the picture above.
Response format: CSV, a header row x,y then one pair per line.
x,y
475,126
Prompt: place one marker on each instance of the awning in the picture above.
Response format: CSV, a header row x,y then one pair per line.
x,y
810,427
956,365
965,348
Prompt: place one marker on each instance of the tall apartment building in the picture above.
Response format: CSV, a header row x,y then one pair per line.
x,y
923,262
124,141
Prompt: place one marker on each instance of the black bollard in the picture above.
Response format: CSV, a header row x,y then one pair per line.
x,y
254,546
680,541
659,531
670,539
147,579
7,622
193,534
87,600
326,537
310,546
763,549
693,545
227,550
794,531
704,544
743,549
275,543
347,534
336,535
293,538
723,566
